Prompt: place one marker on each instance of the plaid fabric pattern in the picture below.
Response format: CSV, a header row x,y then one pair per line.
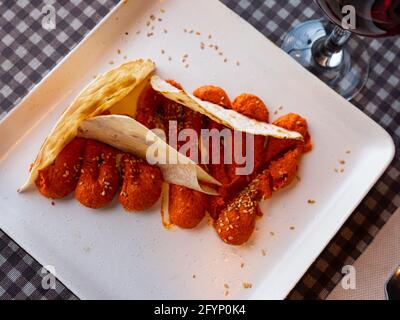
x,y
28,53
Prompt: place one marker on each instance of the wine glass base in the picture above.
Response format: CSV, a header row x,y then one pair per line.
x,y
351,74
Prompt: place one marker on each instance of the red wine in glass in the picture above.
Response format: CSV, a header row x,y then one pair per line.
x,y
374,18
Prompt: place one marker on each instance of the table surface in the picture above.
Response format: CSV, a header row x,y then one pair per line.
x,y
28,52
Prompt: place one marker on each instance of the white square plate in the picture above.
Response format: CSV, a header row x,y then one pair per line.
x,y
111,254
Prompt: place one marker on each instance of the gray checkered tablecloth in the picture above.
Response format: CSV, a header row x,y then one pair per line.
x,y
28,53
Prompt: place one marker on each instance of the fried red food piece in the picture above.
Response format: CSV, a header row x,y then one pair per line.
x,y
60,179
263,186
99,180
173,111
279,174
236,223
220,171
294,122
251,106
284,170
142,182
147,108
187,207
240,214
214,95
217,96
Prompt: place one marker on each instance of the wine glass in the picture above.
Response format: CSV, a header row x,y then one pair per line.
x,y
330,51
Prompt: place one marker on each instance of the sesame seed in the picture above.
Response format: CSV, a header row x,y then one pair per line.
x,y
230,238
103,193
247,285
237,63
162,51
348,151
242,265
138,32
292,228
119,51
226,286
263,252
311,201
162,10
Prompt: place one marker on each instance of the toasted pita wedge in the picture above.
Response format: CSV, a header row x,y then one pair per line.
x,y
126,134
229,118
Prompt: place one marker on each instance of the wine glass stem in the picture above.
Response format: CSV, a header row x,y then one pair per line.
x,y
328,52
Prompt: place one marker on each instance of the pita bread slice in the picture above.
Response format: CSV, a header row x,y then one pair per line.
x,y
128,135
229,118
